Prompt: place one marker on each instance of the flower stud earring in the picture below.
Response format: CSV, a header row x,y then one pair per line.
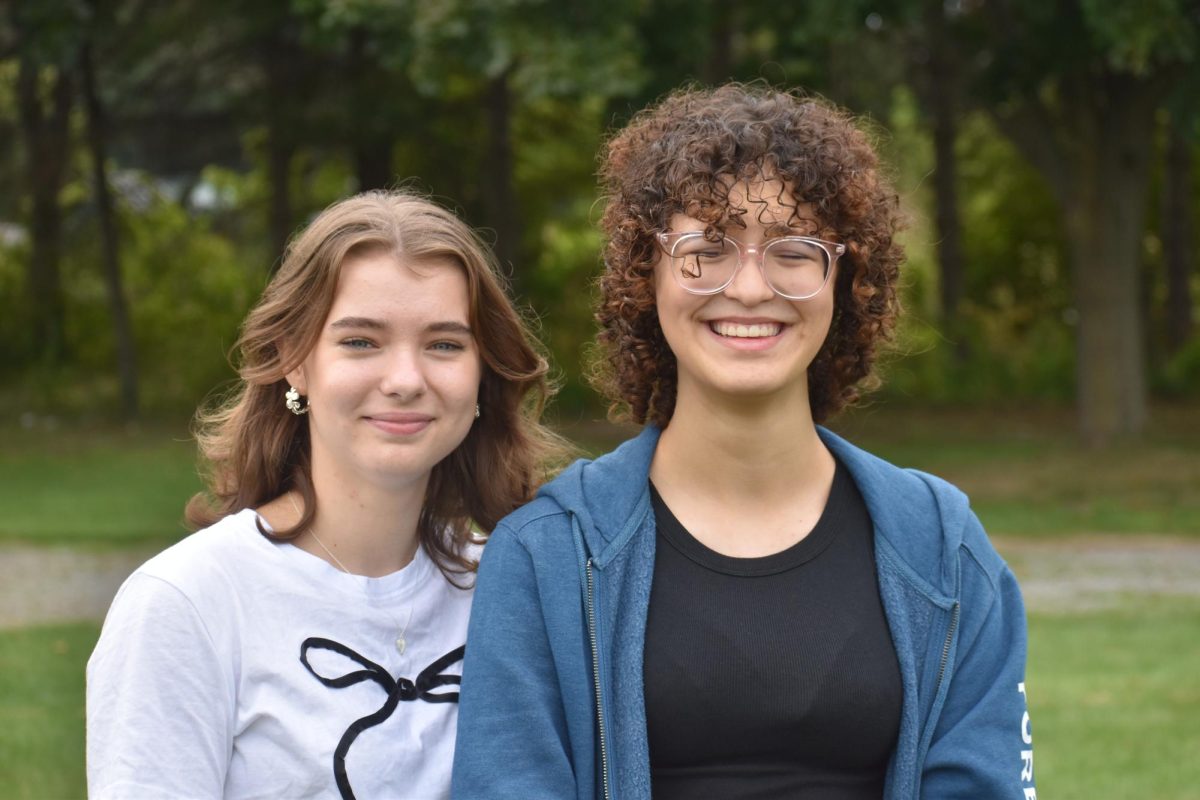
x,y
291,399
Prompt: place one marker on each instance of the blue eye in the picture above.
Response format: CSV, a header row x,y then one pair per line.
x,y
357,344
447,346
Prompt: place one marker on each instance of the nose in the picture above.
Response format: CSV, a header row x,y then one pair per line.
x,y
748,286
403,377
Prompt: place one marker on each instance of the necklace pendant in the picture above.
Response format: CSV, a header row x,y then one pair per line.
x,y
400,645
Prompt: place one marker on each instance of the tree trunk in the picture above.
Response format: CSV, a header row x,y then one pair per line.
x,y
372,137
945,185
1178,251
1105,216
97,144
279,172
940,90
283,81
1093,148
46,138
373,164
499,193
718,67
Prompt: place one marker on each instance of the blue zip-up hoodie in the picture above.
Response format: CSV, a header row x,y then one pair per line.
x,y
552,703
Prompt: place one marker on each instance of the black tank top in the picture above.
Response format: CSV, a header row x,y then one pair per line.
x,y
771,677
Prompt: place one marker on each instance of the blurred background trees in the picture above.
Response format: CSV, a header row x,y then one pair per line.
x,y
156,156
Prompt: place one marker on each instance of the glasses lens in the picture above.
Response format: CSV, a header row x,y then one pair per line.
x,y
701,265
796,267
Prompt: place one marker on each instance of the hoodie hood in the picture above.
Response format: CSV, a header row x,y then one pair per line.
x,y
903,503
609,498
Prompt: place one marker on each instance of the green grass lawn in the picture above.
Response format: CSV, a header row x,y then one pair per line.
x,y
99,487
1028,475
1114,698
41,711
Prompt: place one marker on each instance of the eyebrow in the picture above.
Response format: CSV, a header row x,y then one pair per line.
x,y
449,327
359,322
369,323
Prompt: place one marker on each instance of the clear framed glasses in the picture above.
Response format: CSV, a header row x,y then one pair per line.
x,y
795,267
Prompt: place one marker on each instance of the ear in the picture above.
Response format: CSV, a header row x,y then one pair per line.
x,y
297,379
286,349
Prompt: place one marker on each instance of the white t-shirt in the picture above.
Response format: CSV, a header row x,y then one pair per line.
x,y
197,687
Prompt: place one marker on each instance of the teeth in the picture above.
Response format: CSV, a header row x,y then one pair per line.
x,y
756,331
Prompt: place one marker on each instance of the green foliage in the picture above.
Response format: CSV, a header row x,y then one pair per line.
x,y
566,259
563,49
555,187
14,322
995,355
188,291
408,80
1013,338
1137,35
47,32
1179,377
1012,229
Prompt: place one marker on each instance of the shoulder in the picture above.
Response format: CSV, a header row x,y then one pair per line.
x,y
209,565
185,600
541,517
927,520
537,537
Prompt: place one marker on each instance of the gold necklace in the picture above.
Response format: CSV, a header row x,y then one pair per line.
x,y
401,643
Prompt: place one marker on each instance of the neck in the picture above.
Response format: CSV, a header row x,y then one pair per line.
x,y
368,529
736,449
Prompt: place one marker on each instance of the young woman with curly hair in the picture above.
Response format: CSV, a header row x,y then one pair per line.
x,y
737,603
308,641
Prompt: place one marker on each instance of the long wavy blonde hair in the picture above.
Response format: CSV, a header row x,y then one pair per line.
x,y
255,450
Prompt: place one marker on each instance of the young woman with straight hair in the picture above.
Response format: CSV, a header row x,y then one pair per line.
x,y
307,642
738,603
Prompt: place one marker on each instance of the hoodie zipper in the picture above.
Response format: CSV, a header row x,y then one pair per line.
x,y
946,648
591,609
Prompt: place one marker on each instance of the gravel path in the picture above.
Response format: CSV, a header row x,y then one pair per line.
x,y
43,585
1084,573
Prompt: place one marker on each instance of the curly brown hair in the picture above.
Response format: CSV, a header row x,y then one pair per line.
x,y
683,155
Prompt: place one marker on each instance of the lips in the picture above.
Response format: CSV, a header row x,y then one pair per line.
x,y
745,330
400,423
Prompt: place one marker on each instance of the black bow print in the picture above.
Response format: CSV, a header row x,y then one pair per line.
x,y
397,690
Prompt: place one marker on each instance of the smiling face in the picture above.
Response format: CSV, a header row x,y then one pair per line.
x,y
393,379
745,341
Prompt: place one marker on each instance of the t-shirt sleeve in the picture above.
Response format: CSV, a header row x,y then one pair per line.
x,y
160,699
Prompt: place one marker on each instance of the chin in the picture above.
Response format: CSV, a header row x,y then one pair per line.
x,y
756,388
398,473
